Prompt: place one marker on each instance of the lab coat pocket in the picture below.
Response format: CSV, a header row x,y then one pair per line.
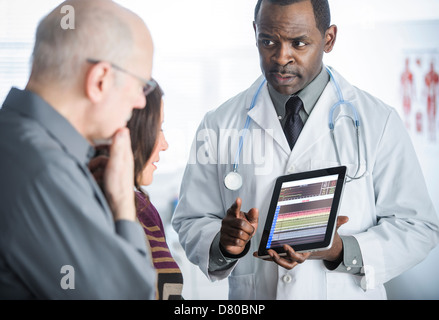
x,y
242,287
344,286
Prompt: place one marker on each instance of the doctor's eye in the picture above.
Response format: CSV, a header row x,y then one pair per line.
x,y
299,44
267,43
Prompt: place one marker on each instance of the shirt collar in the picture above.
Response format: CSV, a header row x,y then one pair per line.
x,y
309,95
32,105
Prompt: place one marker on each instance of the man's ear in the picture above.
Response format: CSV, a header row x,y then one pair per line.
x,y
330,37
98,80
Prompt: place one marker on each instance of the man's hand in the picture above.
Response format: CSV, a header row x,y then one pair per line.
x,y
335,252
294,258
118,177
238,228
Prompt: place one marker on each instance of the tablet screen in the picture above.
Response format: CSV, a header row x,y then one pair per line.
x,y
302,211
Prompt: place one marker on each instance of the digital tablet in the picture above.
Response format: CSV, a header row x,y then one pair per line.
x,y
303,211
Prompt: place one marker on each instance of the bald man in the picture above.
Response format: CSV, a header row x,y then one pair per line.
x,y
61,237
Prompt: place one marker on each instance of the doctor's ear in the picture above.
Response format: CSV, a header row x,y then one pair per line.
x,y
330,36
256,36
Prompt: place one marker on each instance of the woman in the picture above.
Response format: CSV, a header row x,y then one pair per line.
x,y
147,140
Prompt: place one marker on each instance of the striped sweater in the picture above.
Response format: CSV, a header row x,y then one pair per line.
x,y
170,278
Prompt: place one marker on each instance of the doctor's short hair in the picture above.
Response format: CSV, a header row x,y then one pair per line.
x,y
144,128
321,9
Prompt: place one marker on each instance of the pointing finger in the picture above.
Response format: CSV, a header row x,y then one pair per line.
x,y
235,209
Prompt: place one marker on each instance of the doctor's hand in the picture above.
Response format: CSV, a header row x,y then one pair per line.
x,y
238,228
334,253
294,258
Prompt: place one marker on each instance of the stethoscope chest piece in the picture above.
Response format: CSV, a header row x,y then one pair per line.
x,y
233,181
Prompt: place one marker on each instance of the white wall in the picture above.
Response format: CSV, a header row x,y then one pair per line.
x,y
205,53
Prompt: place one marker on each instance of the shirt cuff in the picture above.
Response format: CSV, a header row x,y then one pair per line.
x,y
220,260
352,259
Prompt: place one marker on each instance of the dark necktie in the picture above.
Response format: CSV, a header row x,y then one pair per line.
x,y
293,122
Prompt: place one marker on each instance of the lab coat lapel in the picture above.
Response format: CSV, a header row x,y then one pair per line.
x,y
264,115
317,125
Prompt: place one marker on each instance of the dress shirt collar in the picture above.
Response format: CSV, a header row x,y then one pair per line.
x,y
32,105
309,95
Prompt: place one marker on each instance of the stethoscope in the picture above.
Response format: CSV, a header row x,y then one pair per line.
x,y
233,180
356,122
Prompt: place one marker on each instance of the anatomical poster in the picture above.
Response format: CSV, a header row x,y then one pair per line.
x,y
419,93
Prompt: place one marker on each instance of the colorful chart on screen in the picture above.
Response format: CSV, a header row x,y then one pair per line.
x,y
303,211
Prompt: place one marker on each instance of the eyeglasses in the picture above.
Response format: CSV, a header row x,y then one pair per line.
x,y
148,85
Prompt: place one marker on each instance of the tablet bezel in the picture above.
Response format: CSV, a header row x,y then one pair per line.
x,y
329,235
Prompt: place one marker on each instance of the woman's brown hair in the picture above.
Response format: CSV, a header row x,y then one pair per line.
x,y
144,128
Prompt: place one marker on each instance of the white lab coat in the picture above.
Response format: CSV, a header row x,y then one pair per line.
x,y
390,212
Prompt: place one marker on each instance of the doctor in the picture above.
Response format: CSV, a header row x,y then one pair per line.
x,y
387,224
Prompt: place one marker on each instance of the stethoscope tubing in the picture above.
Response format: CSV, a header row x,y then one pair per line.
x,y
331,124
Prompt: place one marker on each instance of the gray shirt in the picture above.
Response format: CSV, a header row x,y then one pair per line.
x,y
309,96
58,239
352,261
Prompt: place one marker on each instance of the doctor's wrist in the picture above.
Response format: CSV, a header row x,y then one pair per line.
x,y
234,256
351,260
333,264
